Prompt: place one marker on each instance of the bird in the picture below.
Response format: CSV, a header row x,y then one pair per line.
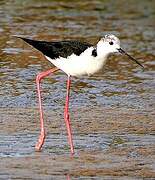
x,y
74,58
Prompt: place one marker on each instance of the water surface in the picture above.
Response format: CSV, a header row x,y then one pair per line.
x,y
112,112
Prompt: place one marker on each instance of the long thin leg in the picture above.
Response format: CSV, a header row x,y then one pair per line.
x,y
42,133
67,118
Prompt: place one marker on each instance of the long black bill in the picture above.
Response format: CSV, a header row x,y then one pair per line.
x,y
133,59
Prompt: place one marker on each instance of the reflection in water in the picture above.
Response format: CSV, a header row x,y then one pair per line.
x,y
112,142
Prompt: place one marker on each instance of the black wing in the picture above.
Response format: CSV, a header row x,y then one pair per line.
x,y
58,49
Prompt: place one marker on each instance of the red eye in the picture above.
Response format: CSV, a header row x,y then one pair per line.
x,y
111,43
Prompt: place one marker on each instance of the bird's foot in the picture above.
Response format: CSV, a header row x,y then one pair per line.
x,y
40,142
67,120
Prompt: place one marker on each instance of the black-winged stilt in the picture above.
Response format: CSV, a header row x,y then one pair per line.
x,y
75,58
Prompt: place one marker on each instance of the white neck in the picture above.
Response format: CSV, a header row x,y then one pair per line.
x,y
102,51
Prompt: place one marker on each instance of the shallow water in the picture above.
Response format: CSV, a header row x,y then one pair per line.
x,y
114,141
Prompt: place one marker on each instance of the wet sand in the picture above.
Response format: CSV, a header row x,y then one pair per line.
x,y
109,144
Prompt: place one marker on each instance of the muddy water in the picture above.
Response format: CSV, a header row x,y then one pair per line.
x,y
112,112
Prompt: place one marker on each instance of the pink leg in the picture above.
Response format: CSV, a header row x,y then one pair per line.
x,y
67,118
42,133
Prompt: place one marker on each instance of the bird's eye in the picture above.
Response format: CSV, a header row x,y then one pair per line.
x,y
111,42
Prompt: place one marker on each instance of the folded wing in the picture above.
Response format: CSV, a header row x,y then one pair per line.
x,y
58,49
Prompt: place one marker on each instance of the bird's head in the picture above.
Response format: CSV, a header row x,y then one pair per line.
x,y
111,44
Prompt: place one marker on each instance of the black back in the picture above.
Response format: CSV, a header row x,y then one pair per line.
x,y
60,48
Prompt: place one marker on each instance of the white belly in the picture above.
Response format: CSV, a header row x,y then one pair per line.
x,y
74,65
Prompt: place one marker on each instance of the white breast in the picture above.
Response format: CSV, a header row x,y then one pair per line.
x,y
74,65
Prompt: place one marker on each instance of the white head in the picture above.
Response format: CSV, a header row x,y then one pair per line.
x,y
108,44
111,44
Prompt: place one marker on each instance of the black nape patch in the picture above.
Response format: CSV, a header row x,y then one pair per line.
x,y
94,52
